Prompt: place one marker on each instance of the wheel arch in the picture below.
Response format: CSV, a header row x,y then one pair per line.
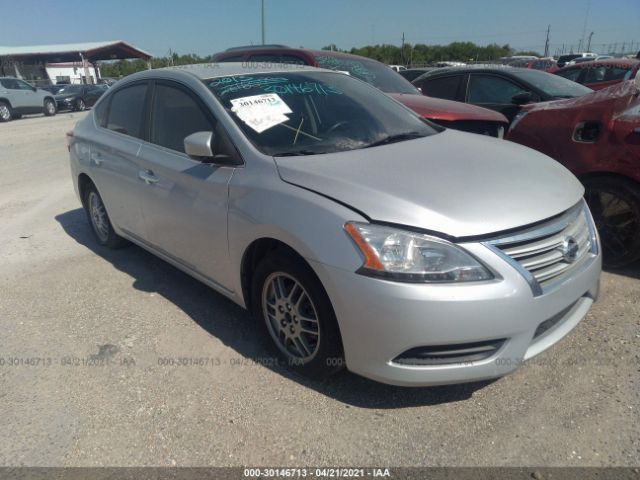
x,y
84,181
253,254
7,101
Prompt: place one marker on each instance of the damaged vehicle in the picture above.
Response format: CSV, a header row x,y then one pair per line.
x,y
358,234
597,137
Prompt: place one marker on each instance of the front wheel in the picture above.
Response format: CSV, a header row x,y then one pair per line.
x,y
615,206
5,112
49,107
80,106
297,315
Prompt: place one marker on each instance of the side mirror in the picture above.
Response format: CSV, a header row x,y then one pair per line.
x,y
35,89
521,98
198,145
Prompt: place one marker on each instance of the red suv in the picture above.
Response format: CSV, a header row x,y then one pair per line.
x,y
597,137
446,113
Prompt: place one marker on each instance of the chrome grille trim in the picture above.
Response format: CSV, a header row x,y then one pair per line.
x,y
536,252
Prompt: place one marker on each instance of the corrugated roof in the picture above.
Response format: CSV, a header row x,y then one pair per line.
x,y
63,48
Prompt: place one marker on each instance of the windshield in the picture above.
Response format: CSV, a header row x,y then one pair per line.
x,y
374,73
304,113
553,85
67,89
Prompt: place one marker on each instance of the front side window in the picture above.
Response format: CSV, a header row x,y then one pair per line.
x,y
305,113
176,115
126,110
23,85
443,87
490,89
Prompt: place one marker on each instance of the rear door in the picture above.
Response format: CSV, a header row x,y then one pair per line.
x,y
184,201
494,92
449,87
114,155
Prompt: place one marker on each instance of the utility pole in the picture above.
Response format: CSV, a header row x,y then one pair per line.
x,y
546,44
586,20
589,44
402,51
262,22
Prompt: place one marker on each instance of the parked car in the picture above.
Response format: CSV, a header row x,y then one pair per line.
x,y
412,73
18,98
565,59
601,73
597,137
356,233
78,97
503,89
544,64
448,114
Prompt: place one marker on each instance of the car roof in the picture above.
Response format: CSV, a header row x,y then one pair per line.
x,y
232,52
223,69
621,62
472,68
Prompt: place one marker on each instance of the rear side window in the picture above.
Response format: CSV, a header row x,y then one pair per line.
x,y
489,89
176,115
595,74
570,74
126,110
617,73
444,87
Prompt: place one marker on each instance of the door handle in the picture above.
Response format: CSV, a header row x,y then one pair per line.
x,y
147,177
97,158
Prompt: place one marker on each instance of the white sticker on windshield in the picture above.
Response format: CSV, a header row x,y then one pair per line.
x,y
261,112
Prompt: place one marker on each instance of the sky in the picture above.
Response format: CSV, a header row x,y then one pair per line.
x,y
209,26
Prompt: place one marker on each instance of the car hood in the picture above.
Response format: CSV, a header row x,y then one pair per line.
x,y
455,183
440,109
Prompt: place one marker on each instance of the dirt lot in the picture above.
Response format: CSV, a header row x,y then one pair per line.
x,y
84,334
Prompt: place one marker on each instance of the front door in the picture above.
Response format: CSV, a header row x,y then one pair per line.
x,y
184,201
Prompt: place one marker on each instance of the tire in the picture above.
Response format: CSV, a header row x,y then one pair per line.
x,y
6,113
315,352
615,206
49,108
79,105
99,220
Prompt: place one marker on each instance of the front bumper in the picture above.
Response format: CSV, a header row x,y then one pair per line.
x,y
380,319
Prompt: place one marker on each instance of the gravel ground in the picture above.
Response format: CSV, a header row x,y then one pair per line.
x,y
101,322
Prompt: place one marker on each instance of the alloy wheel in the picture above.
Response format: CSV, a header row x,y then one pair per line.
x,y
291,317
99,217
5,113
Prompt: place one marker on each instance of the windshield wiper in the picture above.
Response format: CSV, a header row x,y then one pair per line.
x,y
295,153
400,137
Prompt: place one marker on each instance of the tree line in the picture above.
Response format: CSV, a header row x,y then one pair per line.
x,y
418,54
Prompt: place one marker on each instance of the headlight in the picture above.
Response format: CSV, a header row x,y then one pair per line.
x,y
68,100
413,257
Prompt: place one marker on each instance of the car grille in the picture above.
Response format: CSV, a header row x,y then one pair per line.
x,y
547,253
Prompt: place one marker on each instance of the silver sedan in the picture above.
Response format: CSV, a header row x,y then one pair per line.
x,y
358,234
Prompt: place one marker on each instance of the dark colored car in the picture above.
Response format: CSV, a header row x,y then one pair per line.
x,y
448,114
602,73
54,88
597,137
78,97
412,73
503,89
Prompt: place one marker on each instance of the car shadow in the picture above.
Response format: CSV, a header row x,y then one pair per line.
x,y
631,271
235,327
